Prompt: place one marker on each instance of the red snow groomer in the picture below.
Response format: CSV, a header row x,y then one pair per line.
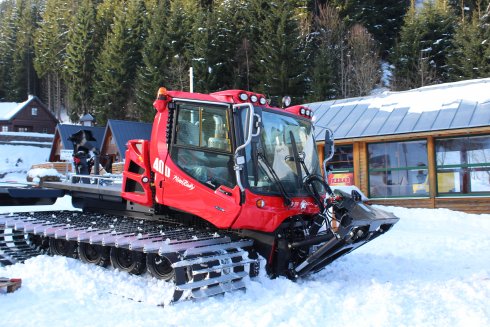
x,y
224,177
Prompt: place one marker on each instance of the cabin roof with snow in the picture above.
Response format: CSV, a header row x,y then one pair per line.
x,y
9,109
119,132
28,116
448,106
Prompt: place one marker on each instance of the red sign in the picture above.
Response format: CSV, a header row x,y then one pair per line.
x,y
341,179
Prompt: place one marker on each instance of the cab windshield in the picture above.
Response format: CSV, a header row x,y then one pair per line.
x,y
284,142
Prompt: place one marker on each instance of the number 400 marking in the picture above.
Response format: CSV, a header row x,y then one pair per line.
x,y
159,166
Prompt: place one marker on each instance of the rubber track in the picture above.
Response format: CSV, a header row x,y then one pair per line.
x,y
206,262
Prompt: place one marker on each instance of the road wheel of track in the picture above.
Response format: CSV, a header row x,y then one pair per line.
x,y
94,254
132,262
39,242
160,267
63,247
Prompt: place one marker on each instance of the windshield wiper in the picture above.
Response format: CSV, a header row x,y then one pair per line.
x,y
308,183
272,173
297,160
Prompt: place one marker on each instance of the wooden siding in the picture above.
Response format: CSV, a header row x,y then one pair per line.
x,y
407,203
109,147
56,148
431,161
363,168
466,204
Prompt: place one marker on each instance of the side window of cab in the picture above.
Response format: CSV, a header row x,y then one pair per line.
x,y
202,144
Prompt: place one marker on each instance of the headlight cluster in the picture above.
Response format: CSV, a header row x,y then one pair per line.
x,y
306,112
254,98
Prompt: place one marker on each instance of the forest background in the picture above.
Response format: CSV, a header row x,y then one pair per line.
x,y
108,57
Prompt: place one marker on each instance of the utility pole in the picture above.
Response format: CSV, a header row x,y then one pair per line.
x,y
191,80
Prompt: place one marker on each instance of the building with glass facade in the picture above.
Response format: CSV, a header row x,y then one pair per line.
x,y
428,147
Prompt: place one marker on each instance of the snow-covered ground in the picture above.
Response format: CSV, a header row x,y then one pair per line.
x,y
16,160
431,269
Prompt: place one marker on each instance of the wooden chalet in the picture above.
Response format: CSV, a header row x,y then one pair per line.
x,y
427,147
117,134
64,131
28,116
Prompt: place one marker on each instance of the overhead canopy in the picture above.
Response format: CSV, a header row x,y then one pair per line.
x,y
439,107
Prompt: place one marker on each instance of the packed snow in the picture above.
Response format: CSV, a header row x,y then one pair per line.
x,y
17,160
431,269
428,98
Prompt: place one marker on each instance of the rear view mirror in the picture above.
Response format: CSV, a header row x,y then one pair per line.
x,y
328,151
329,145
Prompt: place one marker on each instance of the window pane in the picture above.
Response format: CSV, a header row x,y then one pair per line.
x,y
398,169
399,183
203,126
342,158
210,169
463,165
448,152
398,154
188,126
449,180
215,129
200,129
478,150
480,180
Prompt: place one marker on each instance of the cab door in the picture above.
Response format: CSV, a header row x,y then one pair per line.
x,y
199,171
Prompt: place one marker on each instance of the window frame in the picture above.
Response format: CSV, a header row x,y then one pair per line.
x,y
343,174
175,146
395,169
463,168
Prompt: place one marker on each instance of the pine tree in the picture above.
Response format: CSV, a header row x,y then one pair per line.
x,y
17,75
203,60
383,19
279,56
181,19
8,34
485,27
468,59
117,64
79,66
153,73
25,78
105,14
420,57
468,9
50,48
326,48
228,30
244,41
